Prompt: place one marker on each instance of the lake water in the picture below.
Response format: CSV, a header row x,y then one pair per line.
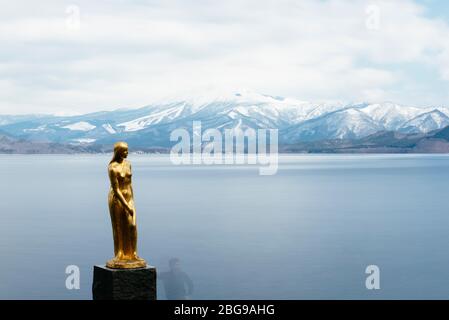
x,y
307,232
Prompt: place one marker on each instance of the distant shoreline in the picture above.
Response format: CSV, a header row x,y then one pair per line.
x,y
280,153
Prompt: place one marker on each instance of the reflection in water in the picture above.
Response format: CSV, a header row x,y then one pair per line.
x,y
177,284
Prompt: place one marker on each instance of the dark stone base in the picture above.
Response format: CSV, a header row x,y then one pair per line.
x,y
124,284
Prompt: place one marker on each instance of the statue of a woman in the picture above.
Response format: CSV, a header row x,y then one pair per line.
x,y
123,212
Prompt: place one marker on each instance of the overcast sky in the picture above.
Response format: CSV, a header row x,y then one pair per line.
x,y
81,56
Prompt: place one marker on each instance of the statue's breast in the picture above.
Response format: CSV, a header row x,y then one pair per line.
x,y
124,172
125,176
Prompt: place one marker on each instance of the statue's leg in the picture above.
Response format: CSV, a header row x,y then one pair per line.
x,y
114,222
117,212
132,233
130,237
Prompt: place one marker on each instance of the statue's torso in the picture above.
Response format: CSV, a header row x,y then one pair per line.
x,y
124,175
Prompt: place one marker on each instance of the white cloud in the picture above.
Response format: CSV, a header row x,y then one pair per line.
x,y
128,53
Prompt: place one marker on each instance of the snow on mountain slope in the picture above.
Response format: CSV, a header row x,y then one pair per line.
x,y
80,126
108,128
159,114
83,141
426,122
274,114
343,124
391,116
263,110
225,112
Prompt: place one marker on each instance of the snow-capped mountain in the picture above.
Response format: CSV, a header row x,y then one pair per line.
x,y
297,121
426,122
348,123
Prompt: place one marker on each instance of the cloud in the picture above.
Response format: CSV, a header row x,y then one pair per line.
x,y
57,57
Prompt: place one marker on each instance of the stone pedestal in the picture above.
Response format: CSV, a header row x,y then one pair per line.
x,y
124,284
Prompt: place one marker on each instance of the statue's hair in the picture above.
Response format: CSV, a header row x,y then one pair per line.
x,y
119,146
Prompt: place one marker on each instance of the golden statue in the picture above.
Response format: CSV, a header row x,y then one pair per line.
x,y
123,212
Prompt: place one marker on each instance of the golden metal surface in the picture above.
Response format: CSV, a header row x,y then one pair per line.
x,y
123,212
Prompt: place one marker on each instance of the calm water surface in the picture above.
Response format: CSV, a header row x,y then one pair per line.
x,y
307,232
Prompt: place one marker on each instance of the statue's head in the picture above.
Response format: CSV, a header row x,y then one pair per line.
x,y
120,151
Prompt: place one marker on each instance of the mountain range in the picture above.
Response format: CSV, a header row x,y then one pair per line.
x,y
303,126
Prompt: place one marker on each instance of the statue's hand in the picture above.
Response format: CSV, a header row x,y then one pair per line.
x,y
130,209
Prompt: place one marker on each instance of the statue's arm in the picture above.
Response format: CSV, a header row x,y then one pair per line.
x,y
131,186
116,190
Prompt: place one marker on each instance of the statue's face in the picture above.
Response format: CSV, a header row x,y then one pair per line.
x,y
124,153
